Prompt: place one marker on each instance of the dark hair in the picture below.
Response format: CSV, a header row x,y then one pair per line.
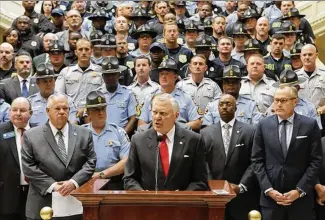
x,y
278,37
42,10
142,57
7,32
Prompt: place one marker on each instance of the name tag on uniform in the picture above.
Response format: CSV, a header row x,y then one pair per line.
x,y
8,135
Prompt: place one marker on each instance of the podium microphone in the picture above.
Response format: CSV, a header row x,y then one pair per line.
x,y
159,139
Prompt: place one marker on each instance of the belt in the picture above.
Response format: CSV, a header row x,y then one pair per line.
x,y
24,188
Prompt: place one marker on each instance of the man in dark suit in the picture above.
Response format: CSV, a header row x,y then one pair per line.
x,y
228,153
13,187
181,164
21,84
56,157
320,189
287,156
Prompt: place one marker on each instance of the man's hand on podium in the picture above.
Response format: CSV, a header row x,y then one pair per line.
x,y
64,187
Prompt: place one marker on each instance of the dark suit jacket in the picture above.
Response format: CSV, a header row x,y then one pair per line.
x,y
301,166
9,171
322,171
43,164
236,167
185,173
10,89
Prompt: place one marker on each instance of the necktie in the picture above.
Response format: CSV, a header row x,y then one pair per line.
x,y
61,146
164,155
25,90
283,138
226,138
22,130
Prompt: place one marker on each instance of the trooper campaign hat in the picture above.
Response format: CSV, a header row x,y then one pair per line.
x,y
232,72
95,37
251,45
293,12
168,64
139,13
203,40
289,78
95,99
110,64
99,13
288,27
108,40
240,29
296,50
56,46
44,70
144,29
250,13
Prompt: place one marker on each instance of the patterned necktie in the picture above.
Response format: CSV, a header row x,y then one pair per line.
x,y
283,138
22,130
164,155
62,146
226,138
25,90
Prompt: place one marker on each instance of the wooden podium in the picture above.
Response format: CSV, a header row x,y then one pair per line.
x,y
101,204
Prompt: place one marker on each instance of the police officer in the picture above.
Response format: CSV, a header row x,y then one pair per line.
x,y
249,20
203,47
71,57
256,85
207,26
30,42
168,74
4,111
144,35
246,112
98,21
289,31
139,17
295,56
122,103
303,107
202,90
158,52
57,56
111,143
276,62
78,80
240,36
190,35
95,39
45,80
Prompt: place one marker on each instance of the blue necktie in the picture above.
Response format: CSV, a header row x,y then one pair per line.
x,y
25,90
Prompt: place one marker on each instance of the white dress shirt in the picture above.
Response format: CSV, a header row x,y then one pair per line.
x,y
18,144
170,141
21,83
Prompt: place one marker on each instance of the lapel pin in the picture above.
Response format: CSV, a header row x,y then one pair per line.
x,y
238,132
32,84
75,134
180,142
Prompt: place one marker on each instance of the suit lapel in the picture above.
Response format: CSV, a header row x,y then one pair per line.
x,y
71,142
12,143
17,86
275,127
153,147
233,139
177,154
48,134
221,147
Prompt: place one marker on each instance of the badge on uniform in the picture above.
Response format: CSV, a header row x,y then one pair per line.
x,y
321,78
180,41
199,111
13,74
182,58
36,20
110,143
8,135
211,69
241,114
130,64
138,109
93,74
131,46
33,43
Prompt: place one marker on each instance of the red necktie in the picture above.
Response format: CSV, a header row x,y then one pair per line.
x,y
164,155
22,130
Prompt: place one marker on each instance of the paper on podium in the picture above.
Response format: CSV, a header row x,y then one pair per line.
x,y
65,206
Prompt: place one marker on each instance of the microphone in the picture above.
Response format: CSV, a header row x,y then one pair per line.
x,y
159,139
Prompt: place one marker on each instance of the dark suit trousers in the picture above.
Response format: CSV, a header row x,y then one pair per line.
x,y
287,213
20,215
320,212
74,217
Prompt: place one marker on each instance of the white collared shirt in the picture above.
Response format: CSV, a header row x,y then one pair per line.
x,y
18,144
170,141
223,130
21,83
65,132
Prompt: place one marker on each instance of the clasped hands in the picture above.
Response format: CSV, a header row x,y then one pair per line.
x,y
320,190
64,187
285,199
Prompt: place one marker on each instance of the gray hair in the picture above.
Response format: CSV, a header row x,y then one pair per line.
x,y
22,99
52,36
309,46
53,97
292,89
166,97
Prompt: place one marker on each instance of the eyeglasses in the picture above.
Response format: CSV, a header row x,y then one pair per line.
x,y
282,101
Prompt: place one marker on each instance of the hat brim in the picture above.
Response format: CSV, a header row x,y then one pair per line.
x,y
250,49
93,18
288,32
56,50
44,77
287,18
294,54
107,46
57,14
137,35
279,84
137,16
120,69
231,77
241,33
243,19
203,46
96,106
170,69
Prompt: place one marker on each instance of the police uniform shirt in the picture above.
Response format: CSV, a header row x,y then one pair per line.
x,y
111,145
181,55
272,13
39,116
32,44
95,60
77,84
247,111
121,105
313,89
264,45
201,94
188,111
142,91
233,61
262,92
138,52
277,65
238,56
4,111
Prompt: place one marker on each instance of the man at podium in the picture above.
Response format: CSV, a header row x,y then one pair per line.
x,y
166,157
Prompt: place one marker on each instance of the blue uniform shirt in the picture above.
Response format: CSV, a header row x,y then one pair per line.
x,y
111,145
188,111
121,105
246,111
4,111
39,116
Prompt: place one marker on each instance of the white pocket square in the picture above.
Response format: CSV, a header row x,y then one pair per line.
x,y
186,155
301,137
238,145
